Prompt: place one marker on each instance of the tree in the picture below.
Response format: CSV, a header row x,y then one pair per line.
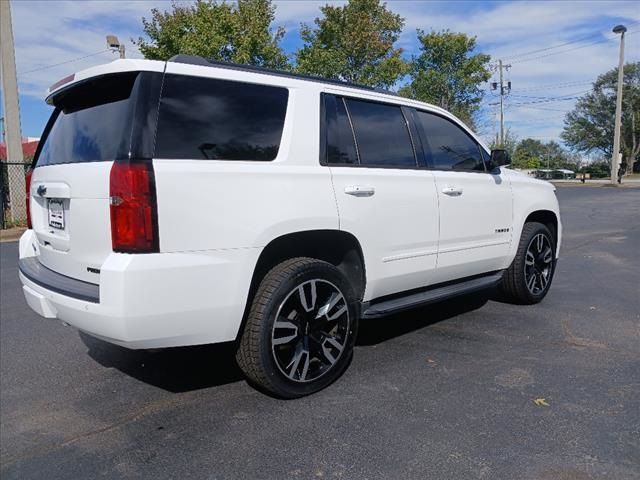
x,y
532,153
528,153
354,42
598,169
554,155
239,33
447,73
510,142
589,127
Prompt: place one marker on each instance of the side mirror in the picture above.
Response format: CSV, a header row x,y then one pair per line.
x,y
499,158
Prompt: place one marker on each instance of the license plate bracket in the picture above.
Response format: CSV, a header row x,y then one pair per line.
x,y
56,213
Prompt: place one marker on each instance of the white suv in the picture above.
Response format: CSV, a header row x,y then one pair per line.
x,y
190,202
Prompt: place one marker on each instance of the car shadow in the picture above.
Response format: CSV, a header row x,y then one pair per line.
x,y
176,370
184,369
379,330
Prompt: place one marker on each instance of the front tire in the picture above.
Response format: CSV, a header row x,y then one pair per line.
x,y
300,330
528,279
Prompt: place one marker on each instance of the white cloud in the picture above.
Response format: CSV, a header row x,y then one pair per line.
x,y
50,32
292,13
514,28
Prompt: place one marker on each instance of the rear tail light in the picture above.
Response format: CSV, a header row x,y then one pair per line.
x,y
134,213
28,195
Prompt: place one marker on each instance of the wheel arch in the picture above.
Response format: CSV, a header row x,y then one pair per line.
x,y
547,218
337,247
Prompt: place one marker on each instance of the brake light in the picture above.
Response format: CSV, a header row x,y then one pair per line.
x,y
133,207
62,81
28,195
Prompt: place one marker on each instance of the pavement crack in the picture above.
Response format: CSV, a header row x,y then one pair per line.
x,y
576,341
127,419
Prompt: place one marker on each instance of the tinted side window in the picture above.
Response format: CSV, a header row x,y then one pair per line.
x,y
450,147
340,145
381,134
204,118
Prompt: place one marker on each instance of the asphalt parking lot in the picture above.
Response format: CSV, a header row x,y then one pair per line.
x,y
446,392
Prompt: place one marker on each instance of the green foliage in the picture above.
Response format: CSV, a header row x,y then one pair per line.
x,y
528,152
354,42
599,169
510,142
589,127
447,73
533,154
233,32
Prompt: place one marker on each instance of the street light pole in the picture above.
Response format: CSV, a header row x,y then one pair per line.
x,y
115,44
615,157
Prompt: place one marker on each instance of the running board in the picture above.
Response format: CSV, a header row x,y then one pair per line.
x,y
436,294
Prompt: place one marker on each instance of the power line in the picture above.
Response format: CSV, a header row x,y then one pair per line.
x,y
551,100
531,52
537,119
63,63
546,97
556,86
603,40
538,108
579,40
562,98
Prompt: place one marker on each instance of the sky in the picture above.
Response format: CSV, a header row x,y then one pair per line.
x,y
55,38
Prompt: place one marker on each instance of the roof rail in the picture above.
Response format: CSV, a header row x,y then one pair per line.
x,y
197,60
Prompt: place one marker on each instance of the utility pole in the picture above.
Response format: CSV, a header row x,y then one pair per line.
x,y
504,89
615,157
11,112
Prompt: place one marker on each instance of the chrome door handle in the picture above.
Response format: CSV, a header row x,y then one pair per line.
x,y
453,191
359,191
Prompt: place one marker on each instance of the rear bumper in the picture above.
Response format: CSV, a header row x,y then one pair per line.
x,y
147,301
32,269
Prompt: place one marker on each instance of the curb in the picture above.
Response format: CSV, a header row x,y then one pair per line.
x,y
596,184
11,234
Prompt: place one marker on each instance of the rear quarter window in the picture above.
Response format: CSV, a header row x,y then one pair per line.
x,y
213,119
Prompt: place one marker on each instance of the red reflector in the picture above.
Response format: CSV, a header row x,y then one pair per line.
x,y
28,195
134,217
62,81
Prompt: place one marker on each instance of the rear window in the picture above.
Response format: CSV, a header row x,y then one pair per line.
x,y
204,118
91,122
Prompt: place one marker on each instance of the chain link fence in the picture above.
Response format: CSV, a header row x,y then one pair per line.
x,y
13,210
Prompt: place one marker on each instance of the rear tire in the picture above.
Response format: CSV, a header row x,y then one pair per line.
x,y
300,329
529,277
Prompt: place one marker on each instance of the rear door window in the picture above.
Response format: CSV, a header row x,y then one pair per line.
x,y
204,118
382,136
